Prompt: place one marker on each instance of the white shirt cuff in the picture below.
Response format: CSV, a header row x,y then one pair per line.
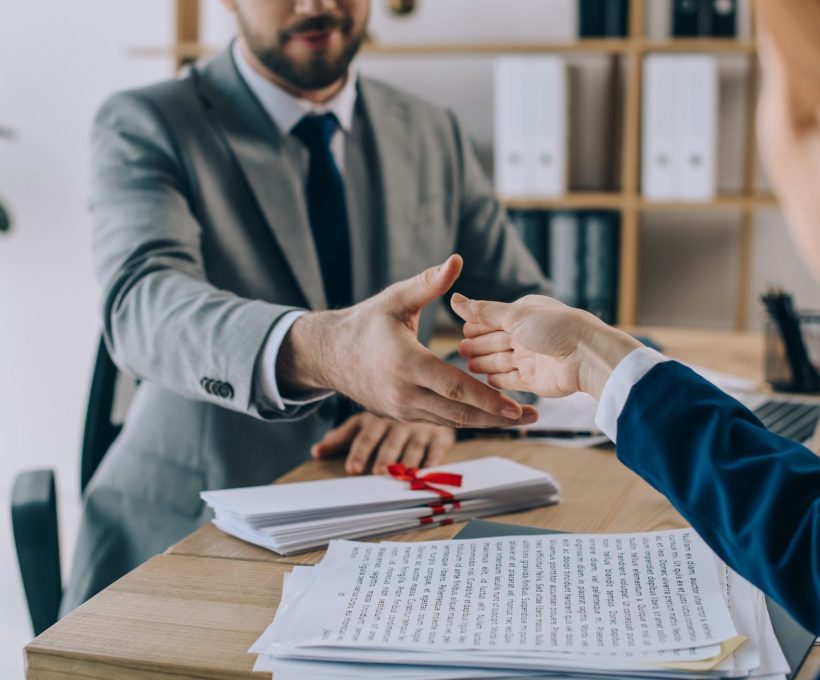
x,y
267,387
626,375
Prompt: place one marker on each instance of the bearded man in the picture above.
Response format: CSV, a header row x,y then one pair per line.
x,y
246,217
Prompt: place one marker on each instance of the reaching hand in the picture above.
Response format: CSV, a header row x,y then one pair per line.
x,y
371,353
540,345
364,435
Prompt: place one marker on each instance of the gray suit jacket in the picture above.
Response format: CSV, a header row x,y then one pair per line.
x,y
201,243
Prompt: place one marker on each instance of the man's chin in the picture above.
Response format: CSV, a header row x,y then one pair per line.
x,y
307,68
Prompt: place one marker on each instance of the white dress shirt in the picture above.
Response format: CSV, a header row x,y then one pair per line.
x,y
626,375
286,111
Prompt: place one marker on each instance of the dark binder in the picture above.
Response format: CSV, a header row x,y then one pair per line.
x,y
691,18
531,226
724,18
601,266
567,252
795,641
603,18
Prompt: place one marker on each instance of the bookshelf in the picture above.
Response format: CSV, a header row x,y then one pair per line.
x,y
628,201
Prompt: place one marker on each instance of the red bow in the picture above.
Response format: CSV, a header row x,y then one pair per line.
x,y
424,482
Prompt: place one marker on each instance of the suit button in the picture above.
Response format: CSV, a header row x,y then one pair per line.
x,y
224,390
206,384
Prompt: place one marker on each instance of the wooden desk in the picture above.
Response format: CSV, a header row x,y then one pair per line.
x,y
194,611
598,494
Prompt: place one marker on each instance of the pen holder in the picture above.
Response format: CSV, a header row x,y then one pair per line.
x,y
777,369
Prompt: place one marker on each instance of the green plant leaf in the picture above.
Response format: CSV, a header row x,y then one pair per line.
x,y
5,219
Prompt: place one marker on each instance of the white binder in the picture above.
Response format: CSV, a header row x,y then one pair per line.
x,y
547,94
531,128
699,121
680,114
510,147
659,148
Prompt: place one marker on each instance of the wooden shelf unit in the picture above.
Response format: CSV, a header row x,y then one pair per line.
x,y
186,50
627,201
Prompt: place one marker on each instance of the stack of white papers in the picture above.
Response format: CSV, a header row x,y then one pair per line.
x,y
291,518
657,604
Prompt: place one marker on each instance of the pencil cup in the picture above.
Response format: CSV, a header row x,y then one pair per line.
x,y
777,368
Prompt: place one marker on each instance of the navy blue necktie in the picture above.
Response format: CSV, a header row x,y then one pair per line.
x,y
327,208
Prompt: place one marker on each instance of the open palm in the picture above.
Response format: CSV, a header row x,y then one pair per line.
x,y
531,344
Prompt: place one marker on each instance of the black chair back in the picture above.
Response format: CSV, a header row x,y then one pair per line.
x,y
108,400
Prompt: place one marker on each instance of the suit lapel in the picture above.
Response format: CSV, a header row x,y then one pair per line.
x,y
256,143
396,150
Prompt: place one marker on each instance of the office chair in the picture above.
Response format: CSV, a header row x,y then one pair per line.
x,y
34,496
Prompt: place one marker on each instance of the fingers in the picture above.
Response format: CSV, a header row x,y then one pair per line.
x,y
442,411
442,442
338,439
472,330
508,381
489,343
482,312
365,443
390,441
463,395
392,447
500,362
416,448
419,291
530,414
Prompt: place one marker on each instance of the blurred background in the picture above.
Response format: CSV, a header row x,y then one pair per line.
x,y
703,263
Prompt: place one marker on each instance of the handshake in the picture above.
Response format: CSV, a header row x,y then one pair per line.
x,y
370,352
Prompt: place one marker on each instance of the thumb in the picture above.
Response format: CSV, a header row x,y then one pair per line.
x,y
419,291
481,312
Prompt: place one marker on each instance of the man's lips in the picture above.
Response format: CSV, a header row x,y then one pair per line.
x,y
316,39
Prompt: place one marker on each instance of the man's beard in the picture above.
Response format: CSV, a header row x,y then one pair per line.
x,y
320,71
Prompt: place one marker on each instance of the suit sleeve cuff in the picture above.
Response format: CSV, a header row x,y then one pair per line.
x,y
626,375
269,398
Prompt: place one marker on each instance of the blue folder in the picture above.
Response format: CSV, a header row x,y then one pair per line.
x,y
795,641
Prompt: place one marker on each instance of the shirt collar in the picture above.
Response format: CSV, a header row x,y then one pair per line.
x,y
286,110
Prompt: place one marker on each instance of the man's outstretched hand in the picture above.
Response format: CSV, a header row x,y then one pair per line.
x,y
371,353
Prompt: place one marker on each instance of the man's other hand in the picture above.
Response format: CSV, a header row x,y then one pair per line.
x,y
371,353
365,436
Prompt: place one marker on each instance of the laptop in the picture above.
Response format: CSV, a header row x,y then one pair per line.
x,y
793,417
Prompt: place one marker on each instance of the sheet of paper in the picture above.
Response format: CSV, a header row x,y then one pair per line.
x,y
584,593
393,665
303,501
575,412
725,381
310,540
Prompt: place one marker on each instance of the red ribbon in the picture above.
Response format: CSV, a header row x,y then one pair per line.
x,y
431,520
440,509
424,482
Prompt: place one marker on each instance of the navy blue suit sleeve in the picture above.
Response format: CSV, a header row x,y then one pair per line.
x,y
753,497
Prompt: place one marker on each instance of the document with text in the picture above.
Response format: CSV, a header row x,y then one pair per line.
x,y
614,594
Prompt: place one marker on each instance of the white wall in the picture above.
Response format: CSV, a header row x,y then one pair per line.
x,y
58,60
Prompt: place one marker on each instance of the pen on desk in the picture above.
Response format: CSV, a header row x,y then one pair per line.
x,y
520,433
